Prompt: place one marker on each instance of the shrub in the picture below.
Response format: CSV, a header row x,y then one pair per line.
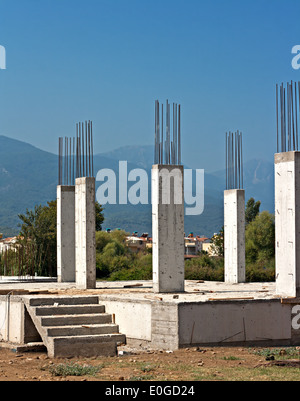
x,y
74,369
205,268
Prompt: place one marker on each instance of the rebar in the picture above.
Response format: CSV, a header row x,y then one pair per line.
x,y
76,155
234,160
167,151
287,116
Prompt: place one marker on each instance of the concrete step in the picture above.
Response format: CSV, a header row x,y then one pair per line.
x,y
87,346
74,326
85,349
68,310
63,300
117,337
95,318
79,330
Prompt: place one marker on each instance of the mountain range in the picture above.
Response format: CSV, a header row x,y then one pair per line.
x,y
28,176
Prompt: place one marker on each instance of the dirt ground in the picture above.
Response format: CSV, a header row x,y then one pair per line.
x,y
195,364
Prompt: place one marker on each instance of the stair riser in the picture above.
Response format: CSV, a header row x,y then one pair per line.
x,y
96,338
81,331
75,320
69,310
83,350
64,301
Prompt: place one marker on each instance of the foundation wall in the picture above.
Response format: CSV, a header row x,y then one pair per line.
x,y
16,325
133,318
173,325
170,326
234,322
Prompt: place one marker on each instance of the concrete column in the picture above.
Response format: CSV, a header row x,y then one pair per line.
x,y
65,234
287,222
85,242
234,236
168,228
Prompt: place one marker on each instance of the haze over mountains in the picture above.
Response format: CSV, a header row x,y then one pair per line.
x,y
28,176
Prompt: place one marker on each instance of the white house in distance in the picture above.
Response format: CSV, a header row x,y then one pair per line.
x,y
139,243
7,243
193,245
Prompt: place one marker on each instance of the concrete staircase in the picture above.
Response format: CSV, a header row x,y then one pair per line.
x,y
74,326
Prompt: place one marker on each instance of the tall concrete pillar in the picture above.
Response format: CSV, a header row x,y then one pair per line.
x,y
65,234
287,223
168,228
234,236
85,242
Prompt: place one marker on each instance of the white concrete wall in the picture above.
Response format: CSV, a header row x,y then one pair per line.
x,y
168,228
287,221
11,319
3,319
151,321
234,236
133,318
85,241
232,322
65,234
165,325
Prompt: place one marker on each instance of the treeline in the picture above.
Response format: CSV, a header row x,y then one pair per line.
x,y
115,261
259,247
35,251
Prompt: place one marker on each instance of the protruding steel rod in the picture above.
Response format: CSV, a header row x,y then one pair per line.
x,y
167,151
234,160
277,117
76,155
287,116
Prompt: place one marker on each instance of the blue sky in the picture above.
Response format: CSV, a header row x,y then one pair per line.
x,y
109,60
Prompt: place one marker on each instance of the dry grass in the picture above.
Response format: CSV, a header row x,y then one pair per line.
x,y
207,364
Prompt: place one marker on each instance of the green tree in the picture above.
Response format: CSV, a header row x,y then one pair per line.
x,y
37,238
218,243
112,254
99,216
260,238
252,210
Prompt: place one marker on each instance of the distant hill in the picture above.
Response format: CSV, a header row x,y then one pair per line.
x,y
141,156
28,176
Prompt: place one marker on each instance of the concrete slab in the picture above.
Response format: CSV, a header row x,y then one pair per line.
x,y
211,313
194,290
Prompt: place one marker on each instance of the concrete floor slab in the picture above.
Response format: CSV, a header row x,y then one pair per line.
x,y
213,313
